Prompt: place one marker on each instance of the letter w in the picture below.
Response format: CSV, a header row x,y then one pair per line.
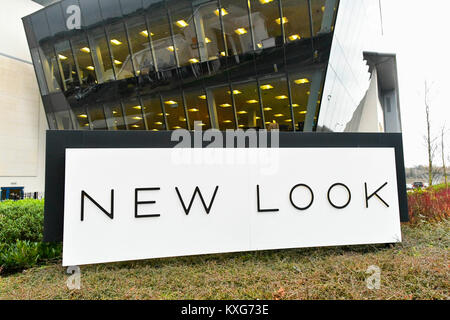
x,y
84,194
197,190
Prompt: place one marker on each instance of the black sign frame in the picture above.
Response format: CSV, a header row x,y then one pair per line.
x,y
58,140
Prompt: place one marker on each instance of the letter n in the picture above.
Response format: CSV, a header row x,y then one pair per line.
x,y
84,194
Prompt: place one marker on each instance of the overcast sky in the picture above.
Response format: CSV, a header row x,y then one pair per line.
x,y
417,30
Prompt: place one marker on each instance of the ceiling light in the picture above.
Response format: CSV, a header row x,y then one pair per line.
x,y
176,127
283,97
193,60
193,110
302,112
288,120
227,121
171,102
294,37
90,68
301,81
265,1
266,87
135,126
207,40
203,97
240,31
235,92
181,23
116,42
241,126
242,112
114,112
252,101
137,107
117,62
267,109
85,49
282,20
145,33
225,105
170,48
223,12
259,45
137,118
278,115
158,123
222,53
61,57
295,105
82,116
155,130
258,118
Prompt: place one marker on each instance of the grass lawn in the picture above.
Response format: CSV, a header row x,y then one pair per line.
x,y
416,269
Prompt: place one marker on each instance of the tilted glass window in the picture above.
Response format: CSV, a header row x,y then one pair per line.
x,y
275,98
159,28
140,45
81,118
223,106
51,68
83,58
197,108
236,26
265,17
153,113
100,55
120,52
174,108
209,31
184,34
114,116
133,114
97,117
67,65
248,110
295,20
300,92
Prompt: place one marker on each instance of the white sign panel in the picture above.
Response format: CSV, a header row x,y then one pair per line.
x,y
129,204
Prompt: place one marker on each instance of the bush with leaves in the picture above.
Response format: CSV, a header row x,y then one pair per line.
x,y
21,227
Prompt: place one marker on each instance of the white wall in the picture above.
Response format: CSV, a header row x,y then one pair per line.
x,y
22,117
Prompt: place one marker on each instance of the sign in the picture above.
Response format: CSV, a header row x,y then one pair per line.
x,y
138,203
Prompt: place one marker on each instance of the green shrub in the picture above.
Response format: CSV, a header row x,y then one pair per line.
x,y
21,227
21,220
24,254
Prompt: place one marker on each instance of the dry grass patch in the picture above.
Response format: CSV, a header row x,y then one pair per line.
x,y
416,269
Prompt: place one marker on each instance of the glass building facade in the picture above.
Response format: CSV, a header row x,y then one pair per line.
x,y
165,64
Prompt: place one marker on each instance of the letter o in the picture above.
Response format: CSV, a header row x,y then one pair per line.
x,y
312,197
349,195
